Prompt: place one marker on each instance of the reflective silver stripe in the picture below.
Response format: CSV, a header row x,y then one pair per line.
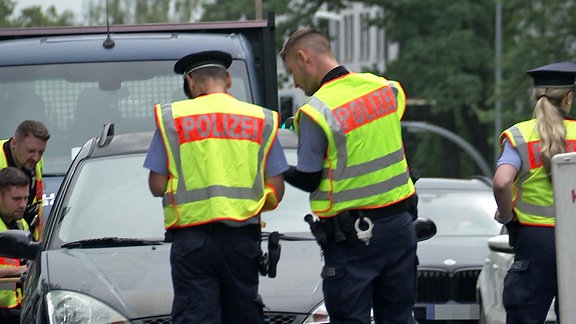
x,y
543,211
8,283
368,167
339,136
186,196
522,148
363,192
213,191
7,286
524,172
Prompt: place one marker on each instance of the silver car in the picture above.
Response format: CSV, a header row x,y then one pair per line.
x,y
450,262
491,282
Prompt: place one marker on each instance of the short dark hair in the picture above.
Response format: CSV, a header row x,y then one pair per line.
x,y
34,128
300,34
11,176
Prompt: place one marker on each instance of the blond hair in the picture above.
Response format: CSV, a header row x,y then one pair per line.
x,y
549,116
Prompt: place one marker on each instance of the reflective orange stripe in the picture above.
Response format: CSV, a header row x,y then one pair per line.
x,y
218,125
9,262
534,156
360,111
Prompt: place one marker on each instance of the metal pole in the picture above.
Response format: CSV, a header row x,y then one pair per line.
x,y
258,5
497,77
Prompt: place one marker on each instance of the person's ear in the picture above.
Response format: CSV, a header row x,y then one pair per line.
x,y
228,80
568,98
186,86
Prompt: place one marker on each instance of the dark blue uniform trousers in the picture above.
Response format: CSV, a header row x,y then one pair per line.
x,y
215,275
381,275
530,284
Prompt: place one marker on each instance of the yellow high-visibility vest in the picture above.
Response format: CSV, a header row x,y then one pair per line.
x,y
10,298
217,148
532,191
39,185
365,166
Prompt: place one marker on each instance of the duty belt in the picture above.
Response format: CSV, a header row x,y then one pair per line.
x,y
356,224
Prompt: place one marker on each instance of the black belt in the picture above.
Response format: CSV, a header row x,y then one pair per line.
x,y
382,212
215,228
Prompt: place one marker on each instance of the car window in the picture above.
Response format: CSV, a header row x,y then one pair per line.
x,y
109,197
76,100
459,212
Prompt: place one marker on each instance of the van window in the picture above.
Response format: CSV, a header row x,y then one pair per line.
x,y
76,100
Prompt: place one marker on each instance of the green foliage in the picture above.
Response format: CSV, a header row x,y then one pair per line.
x,y
537,32
141,11
32,16
6,10
446,53
446,57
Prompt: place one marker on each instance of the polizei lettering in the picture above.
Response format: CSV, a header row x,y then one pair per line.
x,y
365,109
219,125
534,156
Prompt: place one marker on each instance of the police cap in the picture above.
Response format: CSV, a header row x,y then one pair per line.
x,y
199,60
560,74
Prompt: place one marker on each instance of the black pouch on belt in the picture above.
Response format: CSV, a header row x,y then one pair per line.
x,y
345,221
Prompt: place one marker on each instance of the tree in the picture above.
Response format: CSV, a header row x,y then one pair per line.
x,y
141,11
536,33
446,56
33,16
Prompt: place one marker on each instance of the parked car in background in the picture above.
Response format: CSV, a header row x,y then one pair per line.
x,y
491,282
104,258
450,262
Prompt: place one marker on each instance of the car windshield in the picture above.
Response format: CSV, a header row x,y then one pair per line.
x,y
459,212
75,100
109,197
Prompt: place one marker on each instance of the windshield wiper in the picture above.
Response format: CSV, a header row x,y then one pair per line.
x,y
110,242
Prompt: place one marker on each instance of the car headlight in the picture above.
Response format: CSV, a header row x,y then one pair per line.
x,y
318,316
68,307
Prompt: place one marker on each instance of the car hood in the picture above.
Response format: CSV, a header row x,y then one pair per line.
x,y
297,287
135,281
453,252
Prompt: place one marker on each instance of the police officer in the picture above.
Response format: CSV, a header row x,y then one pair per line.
x,y
24,150
217,164
523,191
14,184
351,159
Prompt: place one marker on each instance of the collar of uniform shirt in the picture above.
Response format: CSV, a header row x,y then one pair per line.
x,y
334,73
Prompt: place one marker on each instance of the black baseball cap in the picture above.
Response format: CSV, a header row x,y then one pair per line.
x,y
561,74
199,60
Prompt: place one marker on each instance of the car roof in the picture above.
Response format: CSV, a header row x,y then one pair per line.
x,y
128,47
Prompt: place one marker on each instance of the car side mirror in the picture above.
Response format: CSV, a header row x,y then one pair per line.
x,y
500,243
18,244
425,228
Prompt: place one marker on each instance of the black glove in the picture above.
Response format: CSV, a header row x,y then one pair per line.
x,y
31,215
512,227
